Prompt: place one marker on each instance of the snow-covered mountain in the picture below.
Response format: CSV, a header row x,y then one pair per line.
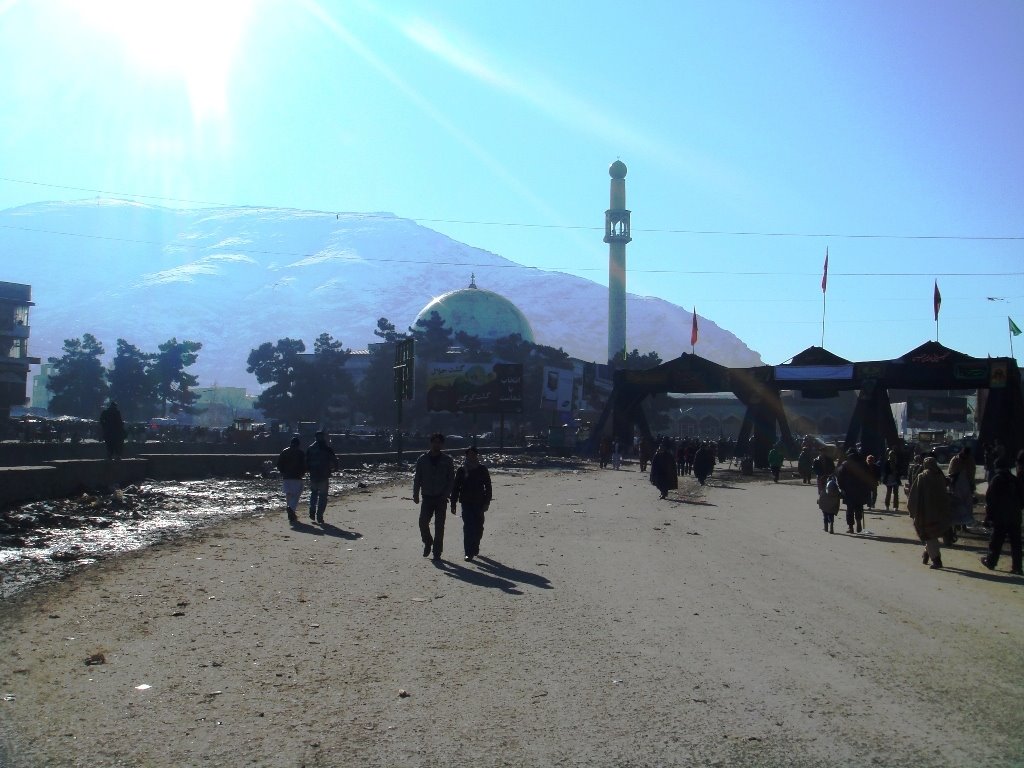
x,y
233,278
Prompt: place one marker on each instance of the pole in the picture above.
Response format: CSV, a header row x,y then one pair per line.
x,y
398,435
822,319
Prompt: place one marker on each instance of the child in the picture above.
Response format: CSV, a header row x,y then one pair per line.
x,y
828,502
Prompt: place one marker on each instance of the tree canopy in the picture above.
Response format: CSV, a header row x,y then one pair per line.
x,y
78,380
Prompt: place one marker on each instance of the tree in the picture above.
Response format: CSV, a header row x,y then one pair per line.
x,y
433,339
278,365
172,384
323,382
130,385
78,379
377,390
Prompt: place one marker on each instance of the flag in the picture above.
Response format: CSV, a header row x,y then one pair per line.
x,y
824,274
693,329
1013,326
937,300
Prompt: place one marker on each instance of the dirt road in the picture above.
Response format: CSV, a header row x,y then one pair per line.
x,y
601,627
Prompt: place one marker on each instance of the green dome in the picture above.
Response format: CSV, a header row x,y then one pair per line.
x,y
484,314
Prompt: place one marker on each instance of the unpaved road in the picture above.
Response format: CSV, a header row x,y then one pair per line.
x,y
601,627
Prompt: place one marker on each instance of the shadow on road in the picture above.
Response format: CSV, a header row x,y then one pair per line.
x,y
691,502
493,574
327,529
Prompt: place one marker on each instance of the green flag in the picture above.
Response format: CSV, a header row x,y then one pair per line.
x,y
1013,326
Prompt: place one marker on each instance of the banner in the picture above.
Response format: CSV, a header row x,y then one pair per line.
x,y
923,411
475,387
556,391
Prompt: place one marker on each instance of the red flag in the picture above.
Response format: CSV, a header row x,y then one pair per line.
x,y
824,274
937,300
693,329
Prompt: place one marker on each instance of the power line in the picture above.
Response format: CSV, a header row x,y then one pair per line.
x,y
531,225
512,265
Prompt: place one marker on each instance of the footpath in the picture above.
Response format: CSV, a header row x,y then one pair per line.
x,y
600,627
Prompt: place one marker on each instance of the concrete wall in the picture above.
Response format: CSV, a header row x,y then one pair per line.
x,y
60,479
67,477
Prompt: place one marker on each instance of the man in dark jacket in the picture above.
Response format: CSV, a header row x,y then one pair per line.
x,y
113,431
473,489
1003,505
855,484
291,463
435,474
321,460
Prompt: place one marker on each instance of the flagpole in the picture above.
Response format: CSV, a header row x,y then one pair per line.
x,y
822,319
824,286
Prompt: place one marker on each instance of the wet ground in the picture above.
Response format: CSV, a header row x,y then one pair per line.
x,y
46,540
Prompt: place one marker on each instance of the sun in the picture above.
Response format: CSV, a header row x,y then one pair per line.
x,y
195,41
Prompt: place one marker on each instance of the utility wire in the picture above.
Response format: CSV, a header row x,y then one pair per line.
x,y
511,265
529,225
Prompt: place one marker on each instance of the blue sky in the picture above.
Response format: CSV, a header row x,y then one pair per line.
x,y
756,135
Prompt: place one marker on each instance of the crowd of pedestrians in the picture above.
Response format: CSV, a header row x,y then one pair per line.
x,y
939,504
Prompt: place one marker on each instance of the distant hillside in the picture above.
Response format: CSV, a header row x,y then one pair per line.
x,y
233,278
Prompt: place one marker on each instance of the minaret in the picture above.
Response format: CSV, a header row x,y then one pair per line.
x,y
616,234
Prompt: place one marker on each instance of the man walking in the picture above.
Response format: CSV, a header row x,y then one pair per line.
x,y
321,460
473,489
291,463
855,485
1003,503
113,431
435,475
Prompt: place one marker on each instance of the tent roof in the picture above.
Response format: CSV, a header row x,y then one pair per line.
x,y
933,352
817,356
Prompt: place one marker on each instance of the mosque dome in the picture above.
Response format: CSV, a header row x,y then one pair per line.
x,y
487,315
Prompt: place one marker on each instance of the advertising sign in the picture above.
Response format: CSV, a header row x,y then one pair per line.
x,y
556,390
923,411
475,387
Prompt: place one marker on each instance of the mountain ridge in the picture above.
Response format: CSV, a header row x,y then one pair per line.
x,y
235,277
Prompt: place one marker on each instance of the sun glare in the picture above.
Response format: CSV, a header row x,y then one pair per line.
x,y
193,40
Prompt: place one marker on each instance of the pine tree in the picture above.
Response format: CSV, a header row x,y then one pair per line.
x,y
172,383
78,380
278,365
130,385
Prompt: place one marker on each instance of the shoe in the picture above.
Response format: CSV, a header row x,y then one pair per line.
x,y
831,528
936,564
849,529
292,518
924,557
312,515
468,558
859,526
1018,572
437,556
988,563
426,550
320,519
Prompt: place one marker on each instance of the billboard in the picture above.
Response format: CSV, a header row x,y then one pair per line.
x,y
923,411
475,387
556,390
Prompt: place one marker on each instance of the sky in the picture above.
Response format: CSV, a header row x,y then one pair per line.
x,y
757,135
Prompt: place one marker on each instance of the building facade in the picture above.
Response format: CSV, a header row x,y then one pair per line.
x,y
15,300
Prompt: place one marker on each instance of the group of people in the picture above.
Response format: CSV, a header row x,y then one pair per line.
x,y
441,485
435,481
319,460
940,505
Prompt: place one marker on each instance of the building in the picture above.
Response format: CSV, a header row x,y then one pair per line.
x,y
15,300
40,393
485,314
